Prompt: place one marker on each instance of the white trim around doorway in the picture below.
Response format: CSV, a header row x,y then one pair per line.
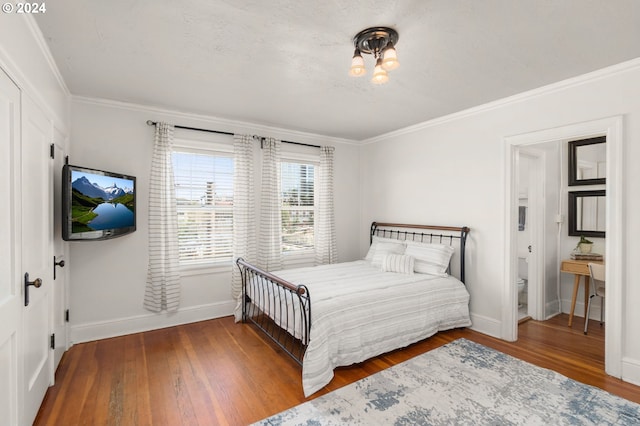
x,y
614,312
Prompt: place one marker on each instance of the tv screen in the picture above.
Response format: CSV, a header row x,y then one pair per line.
x,y
97,205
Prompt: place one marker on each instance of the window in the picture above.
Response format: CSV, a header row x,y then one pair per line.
x,y
297,184
204,195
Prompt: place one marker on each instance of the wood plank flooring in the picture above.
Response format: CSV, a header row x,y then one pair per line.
x,y
219,372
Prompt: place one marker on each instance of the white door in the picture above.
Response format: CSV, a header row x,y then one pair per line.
x,y
60,295
37,255
11,302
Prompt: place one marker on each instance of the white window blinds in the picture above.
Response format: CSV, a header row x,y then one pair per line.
x,y
298,206
204,195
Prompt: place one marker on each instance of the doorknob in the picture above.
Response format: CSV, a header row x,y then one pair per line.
x,y
529,249
36,283
60,264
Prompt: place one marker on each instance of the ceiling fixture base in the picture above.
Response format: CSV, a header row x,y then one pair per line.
x,y
373,40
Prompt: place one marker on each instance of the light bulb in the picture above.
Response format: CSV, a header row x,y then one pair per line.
x,y
357,65
380,76
390,58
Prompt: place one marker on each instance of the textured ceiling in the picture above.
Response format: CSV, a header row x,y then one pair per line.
x,y
285,63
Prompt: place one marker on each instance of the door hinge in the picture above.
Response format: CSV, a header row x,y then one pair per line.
x,y
66,315
53,341
52,151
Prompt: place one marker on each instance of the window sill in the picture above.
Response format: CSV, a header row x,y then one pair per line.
x,y
298,259
290,260
206,268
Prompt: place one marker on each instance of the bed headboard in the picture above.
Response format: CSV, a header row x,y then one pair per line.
x,y
455,236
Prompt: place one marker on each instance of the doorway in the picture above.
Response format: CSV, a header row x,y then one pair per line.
x,y
530,253
612,128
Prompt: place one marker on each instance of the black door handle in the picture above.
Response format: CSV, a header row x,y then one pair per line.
x,y
37,283
60,264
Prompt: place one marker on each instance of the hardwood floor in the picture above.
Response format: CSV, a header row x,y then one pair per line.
x,y
219,372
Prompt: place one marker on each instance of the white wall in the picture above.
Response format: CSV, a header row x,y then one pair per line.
x,y
107,278
451,171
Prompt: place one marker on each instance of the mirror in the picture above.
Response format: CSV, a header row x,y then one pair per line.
x,y
522,217
587,213
587,161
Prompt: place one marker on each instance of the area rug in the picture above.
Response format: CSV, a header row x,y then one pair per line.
x,y
463,383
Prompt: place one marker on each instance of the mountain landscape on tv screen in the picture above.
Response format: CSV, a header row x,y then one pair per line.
x,y
95,208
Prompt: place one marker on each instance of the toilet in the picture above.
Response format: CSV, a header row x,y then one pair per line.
x,y
520,282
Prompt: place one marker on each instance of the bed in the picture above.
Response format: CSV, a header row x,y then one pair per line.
x,y
408,287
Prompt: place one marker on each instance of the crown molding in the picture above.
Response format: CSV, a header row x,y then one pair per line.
x,y
216,123
33,27
620,68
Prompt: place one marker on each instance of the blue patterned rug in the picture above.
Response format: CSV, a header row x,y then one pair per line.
x,y
463,383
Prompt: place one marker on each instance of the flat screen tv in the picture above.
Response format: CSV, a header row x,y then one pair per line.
x,y
97,205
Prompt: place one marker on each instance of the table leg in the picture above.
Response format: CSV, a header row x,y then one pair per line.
x,y
576,285
586,296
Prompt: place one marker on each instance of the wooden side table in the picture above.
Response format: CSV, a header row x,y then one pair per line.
x,y
580,268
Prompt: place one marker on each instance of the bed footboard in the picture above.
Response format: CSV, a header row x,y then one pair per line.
x,y
282,310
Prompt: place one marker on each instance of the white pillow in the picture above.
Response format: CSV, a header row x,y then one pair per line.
x,y
376,242
398,263
381,247
430,258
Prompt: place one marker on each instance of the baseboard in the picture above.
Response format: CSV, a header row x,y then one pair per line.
x,y
122,326
486,325
551,309
631,371
594,313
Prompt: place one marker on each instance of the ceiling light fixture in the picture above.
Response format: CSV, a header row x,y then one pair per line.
x,y
380,42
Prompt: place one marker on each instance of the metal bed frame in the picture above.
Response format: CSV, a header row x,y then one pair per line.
x,y
277,306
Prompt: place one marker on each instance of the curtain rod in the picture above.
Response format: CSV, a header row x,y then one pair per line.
x,y
153,123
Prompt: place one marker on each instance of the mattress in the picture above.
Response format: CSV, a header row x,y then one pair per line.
x,y
359,312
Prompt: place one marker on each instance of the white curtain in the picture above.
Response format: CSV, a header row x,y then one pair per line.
x,y
162,291
270,238
326,248
244,223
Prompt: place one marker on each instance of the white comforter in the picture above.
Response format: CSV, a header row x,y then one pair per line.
x,y
358,312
